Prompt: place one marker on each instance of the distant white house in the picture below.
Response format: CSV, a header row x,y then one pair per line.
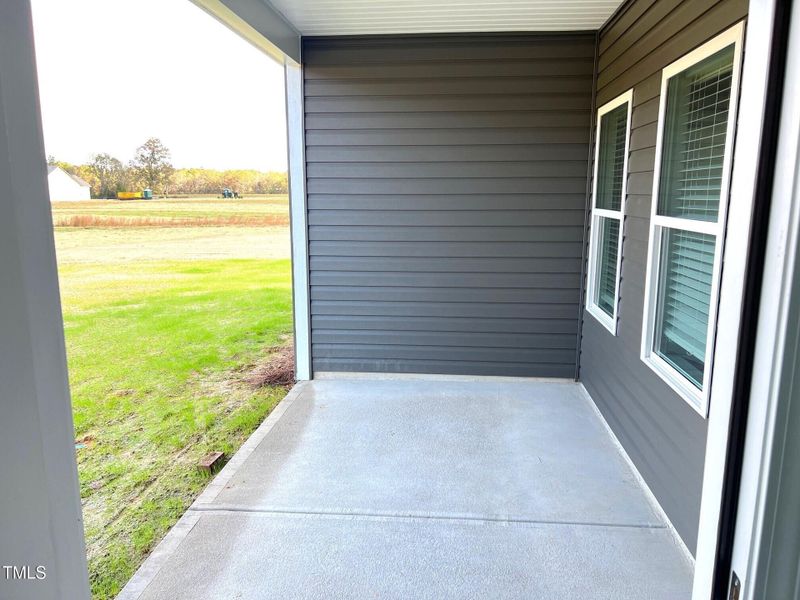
x,y
65,187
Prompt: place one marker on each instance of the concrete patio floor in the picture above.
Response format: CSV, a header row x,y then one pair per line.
x,y
428,488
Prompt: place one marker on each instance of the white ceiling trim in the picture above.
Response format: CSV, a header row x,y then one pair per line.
x,y
365,17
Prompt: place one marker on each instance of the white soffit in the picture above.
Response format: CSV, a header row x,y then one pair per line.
x,y
365,17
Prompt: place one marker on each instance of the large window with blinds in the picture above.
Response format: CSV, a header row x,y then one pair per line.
x,y
608,209
687,226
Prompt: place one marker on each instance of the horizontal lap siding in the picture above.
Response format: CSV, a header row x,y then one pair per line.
x,y
663,435
446,196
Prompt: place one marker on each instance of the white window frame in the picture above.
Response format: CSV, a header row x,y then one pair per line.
x,y
609,322
696,398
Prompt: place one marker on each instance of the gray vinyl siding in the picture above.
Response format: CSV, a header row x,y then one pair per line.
x,y
663,435
446,197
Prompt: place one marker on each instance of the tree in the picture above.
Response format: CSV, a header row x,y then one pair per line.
x,y
68,167
108,174
152,165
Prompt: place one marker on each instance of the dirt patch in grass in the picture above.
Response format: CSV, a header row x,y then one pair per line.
x,y
276,369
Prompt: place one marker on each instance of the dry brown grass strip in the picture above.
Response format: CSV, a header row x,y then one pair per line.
x,y
276,369
104,222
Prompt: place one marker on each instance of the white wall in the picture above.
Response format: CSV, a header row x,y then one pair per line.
x,y
64,188
40,510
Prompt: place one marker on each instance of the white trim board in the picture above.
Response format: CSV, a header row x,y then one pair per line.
x,y
639,479
364,375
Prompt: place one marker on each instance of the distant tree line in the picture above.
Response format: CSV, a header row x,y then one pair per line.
x,y
151,168
244,181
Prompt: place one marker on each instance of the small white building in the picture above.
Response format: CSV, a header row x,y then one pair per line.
x,y
65,187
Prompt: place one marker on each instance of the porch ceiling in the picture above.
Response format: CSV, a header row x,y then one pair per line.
x,y
364,17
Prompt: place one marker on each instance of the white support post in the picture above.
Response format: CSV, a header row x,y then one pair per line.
x,y
42,552
765,545
752,102
298,212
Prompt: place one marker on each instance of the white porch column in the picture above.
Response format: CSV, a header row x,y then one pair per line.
x,y
295,128
749,132
766,550
40,512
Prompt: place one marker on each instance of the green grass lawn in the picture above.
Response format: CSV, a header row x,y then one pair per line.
x,y
157,353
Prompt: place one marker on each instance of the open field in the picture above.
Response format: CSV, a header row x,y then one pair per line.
x,y
202,209
163,327
110,231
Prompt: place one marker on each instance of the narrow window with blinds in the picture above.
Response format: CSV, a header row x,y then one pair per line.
x,y
698,96
608,209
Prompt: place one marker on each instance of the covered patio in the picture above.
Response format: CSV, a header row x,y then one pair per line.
x,y
522,369
427,488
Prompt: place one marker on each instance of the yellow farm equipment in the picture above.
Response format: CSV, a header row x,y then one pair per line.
x,y
147,194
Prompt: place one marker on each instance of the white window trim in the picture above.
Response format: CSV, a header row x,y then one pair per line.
x,y
697,399
609,322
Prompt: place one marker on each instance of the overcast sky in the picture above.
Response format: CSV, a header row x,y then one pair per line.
x,y
114,72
